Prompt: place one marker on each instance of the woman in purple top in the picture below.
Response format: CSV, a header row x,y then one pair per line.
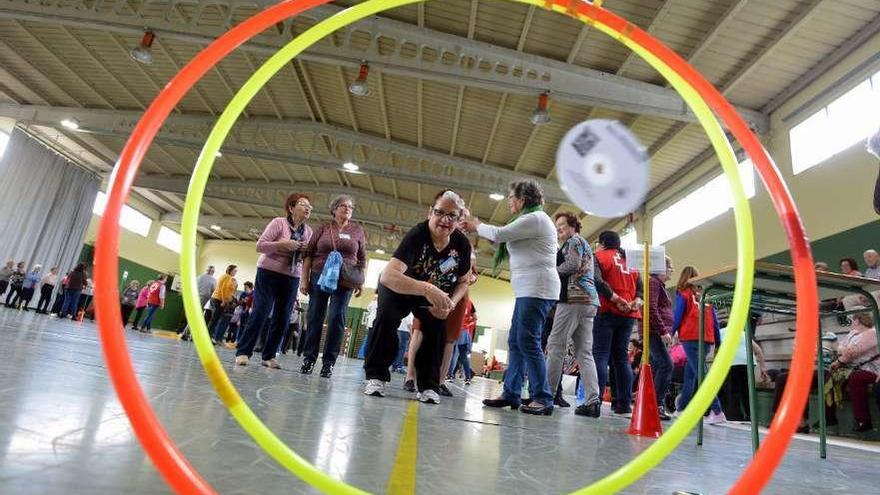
x,y
346,237
278,273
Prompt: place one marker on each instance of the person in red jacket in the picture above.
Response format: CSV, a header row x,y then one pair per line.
x,y
620,298
687,324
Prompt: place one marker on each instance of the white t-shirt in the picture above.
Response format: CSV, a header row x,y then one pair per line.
x,y
372,308
740,357
406,324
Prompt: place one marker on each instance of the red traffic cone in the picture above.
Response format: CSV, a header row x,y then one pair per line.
x,y
646,418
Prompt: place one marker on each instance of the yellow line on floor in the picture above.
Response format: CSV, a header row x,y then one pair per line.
x,y
403,476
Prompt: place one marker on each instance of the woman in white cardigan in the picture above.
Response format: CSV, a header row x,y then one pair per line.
x,y
530,241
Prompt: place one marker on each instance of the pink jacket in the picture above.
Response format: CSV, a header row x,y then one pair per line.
x,y
142,297
272,257
857,349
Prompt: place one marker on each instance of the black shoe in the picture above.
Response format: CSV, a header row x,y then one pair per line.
x,y
663,415
500,403
861,427
326,370
307,368
623,410
442,390
803,429
539,410
591,411
258,350
409,386
559,401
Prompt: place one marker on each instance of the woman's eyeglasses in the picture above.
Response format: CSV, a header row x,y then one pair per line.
x,y
452,217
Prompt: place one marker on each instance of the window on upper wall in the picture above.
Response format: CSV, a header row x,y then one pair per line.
x,y
130,219
710,200
629,237
846,121
169,239
4,141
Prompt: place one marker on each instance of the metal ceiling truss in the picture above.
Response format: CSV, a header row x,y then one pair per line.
x,y
281,141
391,46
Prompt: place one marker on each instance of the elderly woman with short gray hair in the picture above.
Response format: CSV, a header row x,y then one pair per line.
x,y
347,238
529,238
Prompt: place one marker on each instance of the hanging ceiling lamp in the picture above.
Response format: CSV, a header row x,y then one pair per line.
x,y
143,53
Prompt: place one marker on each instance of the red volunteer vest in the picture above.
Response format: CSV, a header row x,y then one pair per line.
x,y
153,295
620,278
690,323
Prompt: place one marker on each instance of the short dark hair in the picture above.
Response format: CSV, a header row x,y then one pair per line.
x,y
527,190
292,200
249,285
571,219
81,267
610,239
230,268
852,263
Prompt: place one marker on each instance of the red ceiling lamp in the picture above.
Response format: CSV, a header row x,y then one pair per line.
x,y
359,86
541,115
143,53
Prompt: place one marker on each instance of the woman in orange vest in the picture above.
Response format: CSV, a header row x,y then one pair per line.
x,y
687,324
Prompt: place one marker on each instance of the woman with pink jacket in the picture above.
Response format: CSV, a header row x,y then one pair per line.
x,y
278,272
140,305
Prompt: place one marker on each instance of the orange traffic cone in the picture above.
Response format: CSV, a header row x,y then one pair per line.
x,y
646,418
606,396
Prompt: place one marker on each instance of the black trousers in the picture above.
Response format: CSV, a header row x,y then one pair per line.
x,y
126,310
26,296
45,297
14,294
137,317
735,394
383,342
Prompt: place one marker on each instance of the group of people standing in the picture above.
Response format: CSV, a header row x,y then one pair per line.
x,y
20,286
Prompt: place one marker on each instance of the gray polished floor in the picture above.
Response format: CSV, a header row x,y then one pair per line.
x,y
62,430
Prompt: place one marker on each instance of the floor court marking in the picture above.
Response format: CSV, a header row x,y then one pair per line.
x,y
402,480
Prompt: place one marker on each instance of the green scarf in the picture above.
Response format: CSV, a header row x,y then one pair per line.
x,y
501,253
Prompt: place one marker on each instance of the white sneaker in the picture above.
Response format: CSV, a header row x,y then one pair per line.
x,y
428,397
241,360
374,387
272,364
716,419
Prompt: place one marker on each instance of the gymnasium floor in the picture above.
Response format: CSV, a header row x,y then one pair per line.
x,y
63,431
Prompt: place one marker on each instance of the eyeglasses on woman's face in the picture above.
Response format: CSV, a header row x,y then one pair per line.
x,y
347,206
448,216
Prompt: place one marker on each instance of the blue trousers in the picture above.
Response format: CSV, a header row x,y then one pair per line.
x,y
524,353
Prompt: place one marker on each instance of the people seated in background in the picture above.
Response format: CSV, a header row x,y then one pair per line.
x,y
821,266
849,266
872,264
857,367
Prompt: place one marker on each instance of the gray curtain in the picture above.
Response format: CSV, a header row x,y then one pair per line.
x,y
45,205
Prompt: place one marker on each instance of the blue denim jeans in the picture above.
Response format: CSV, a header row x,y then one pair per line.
x,y
611,334
318,300
691,350
661,367
151,313
403,338
273,292
71,301
524,353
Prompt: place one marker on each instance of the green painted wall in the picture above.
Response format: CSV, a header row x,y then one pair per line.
x,y
166,319
847,244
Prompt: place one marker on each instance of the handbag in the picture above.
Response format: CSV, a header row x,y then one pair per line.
x,y
350,276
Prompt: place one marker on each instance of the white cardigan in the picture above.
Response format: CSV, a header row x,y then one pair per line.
x,y
531,242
